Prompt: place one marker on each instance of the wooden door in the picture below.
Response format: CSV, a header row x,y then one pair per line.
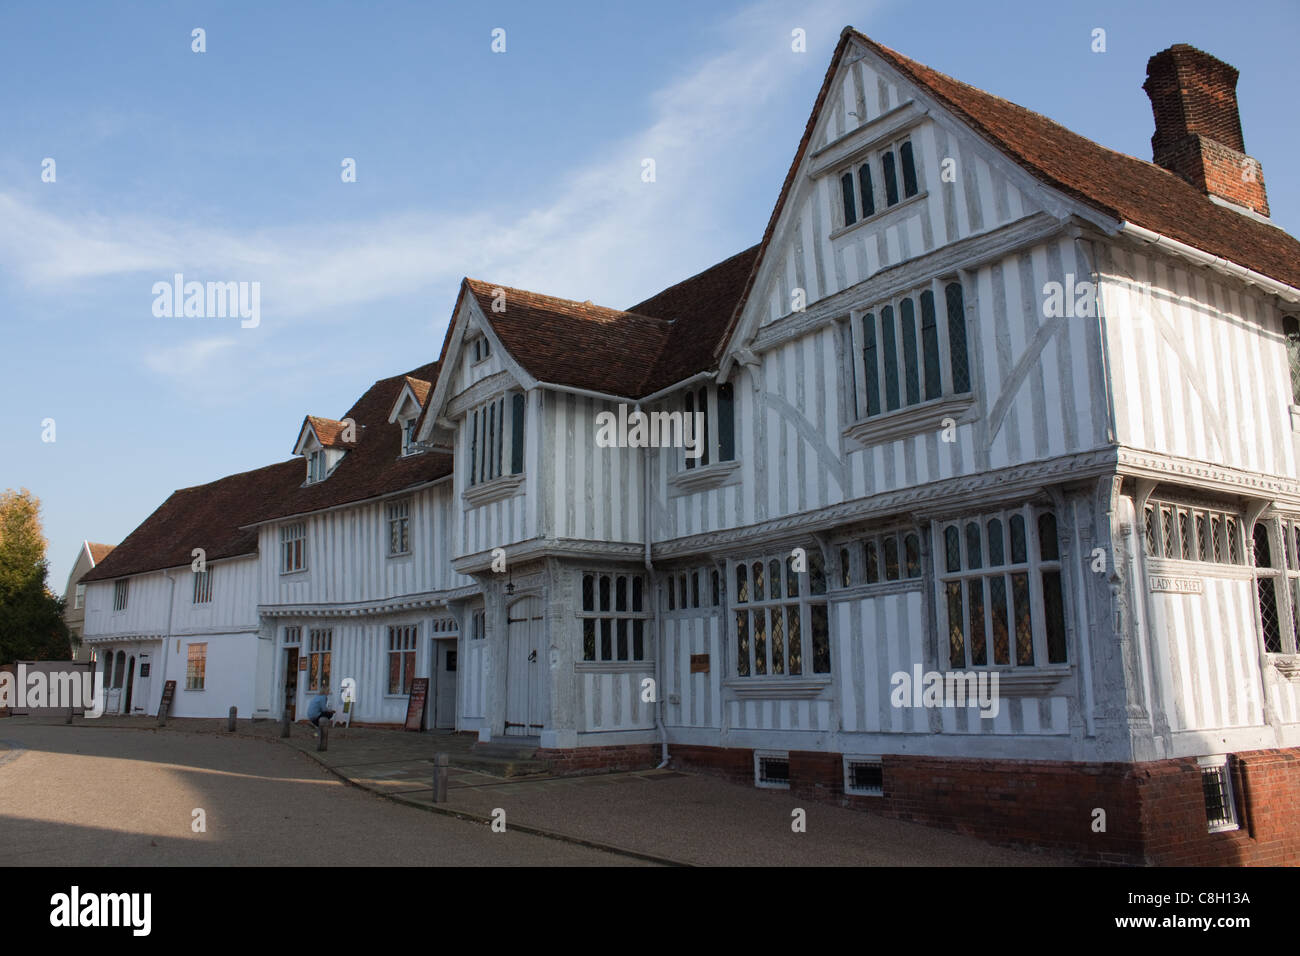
x,y
130,683
525,676
444,685
291,682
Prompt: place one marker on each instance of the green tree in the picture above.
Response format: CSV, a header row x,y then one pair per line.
x,y
31,616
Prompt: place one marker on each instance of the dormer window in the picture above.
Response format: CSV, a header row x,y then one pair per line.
x,y
408,436
316,465
405,413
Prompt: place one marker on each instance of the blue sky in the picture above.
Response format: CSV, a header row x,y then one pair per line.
x,y
521,167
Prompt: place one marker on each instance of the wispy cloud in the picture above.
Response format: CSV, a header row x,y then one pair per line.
x,y
602,234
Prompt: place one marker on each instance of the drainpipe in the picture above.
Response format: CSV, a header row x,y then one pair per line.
x,y
167,641
653,595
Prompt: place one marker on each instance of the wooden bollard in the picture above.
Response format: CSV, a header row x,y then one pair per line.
x,y
162,715
323,741
440,778
69,717
230,721
284,725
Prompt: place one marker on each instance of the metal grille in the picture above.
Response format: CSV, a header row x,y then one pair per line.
x,y
866,777
1218,797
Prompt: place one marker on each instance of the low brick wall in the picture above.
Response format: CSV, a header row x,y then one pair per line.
x,y
1154,813
582,760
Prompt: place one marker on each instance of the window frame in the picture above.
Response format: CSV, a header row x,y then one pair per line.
x,y
397,519
79,597
868,197
601,622
719,429
320,650
403,642
807,604
1221,766
487,426
904,346
293,547
196,678
1034,569
202,589
121,594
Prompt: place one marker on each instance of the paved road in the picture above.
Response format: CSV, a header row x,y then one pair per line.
x,y
79,795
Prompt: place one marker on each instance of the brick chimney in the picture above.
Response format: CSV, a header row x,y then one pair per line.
x,y
1198,127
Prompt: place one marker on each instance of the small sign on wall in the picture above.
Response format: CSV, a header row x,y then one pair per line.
x,y
1173,585
699,663
302,663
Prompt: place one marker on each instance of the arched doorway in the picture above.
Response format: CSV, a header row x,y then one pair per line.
x,y
130,682
525,669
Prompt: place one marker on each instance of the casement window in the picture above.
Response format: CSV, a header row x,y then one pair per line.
x,y
717,443
686,590
120,591
1276,553
292,636
293,547
408,436
401,658
399,527
781,623
879,182
906,351
489,424
1216,786
893,556
614,617
196,664
1001,600
203,586
79,600
319,647
481,348
1291,330
1182,532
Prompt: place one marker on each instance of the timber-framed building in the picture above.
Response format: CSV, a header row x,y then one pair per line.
x,y
986,399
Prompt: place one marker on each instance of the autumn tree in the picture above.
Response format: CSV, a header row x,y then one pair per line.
x,y
31,616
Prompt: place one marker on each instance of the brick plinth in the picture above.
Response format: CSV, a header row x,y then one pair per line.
x,y
1154,813
580,760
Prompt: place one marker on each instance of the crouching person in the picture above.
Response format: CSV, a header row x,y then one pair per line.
x,y
319,709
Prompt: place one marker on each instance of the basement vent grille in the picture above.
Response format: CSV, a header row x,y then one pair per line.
x,y
864,776
1216,784
772,770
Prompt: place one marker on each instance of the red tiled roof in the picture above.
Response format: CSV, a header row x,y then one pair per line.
x,y
419,388
656,343
98,552
578,344
216,516
330,432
